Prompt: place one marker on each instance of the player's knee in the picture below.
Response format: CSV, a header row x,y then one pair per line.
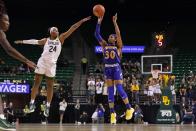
x,y
109,83
121,91
118,82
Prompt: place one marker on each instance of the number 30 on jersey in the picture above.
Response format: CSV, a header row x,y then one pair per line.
x,y
110,54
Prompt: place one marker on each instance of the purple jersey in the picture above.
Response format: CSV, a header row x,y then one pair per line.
x,y
112,60
110,54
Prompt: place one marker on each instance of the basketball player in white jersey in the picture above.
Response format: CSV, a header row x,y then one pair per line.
x,y
47,62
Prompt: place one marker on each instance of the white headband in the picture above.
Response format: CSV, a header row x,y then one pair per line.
x,y
52,28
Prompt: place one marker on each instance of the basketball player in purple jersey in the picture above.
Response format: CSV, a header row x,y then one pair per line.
x,y
112,53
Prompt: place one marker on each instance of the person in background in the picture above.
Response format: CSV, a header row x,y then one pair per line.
x,y
77,111
61,92
83,118
21,68
91,90
182,91
138,116
94,117
26,113
62,108
135,91
43,92
5,109
99,90
42,109
157,92
100,113
84,63
172,88
150,91
188,117
10,113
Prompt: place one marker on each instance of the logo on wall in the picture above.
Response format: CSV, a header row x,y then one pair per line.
x,y
125,49
14,88
166,100
166,114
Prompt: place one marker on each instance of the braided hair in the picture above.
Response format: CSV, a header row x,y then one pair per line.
x,y
2,9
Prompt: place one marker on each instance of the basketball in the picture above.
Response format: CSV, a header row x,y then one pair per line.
x,y
98,10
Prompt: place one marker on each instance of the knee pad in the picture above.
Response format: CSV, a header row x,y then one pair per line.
x,y
121,91
110,94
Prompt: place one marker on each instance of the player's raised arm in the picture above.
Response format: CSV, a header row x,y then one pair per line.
x,y
101,41
31,41
13,52
117,30
75,26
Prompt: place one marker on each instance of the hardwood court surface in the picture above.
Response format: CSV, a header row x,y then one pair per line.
x,y
104,127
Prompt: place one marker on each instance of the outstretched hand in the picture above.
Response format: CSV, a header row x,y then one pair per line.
x,y
114,18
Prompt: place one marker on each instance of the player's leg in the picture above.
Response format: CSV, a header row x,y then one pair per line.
x,y
37,82
61,117
50,75
118,80
110,89
49,84
123,94
110,85
34,91
39,72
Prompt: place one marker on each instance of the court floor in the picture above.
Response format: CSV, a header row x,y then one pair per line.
x,y
104,127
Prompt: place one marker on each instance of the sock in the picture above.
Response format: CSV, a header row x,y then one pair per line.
x,y
32,101
48,104
111,110
128,106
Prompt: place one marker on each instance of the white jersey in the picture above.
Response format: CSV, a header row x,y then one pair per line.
x,y
52,50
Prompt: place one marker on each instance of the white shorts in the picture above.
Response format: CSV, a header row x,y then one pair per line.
x,y
150,93
45,68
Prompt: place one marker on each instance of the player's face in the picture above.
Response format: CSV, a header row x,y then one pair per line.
x,y
112,39
4,22
54,32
